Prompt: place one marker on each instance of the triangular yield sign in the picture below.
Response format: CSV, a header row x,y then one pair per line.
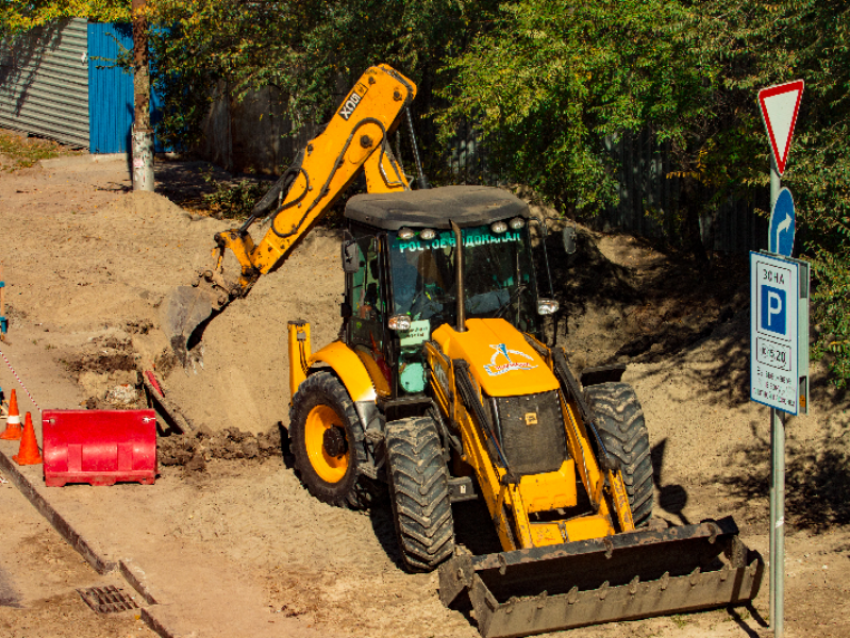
x,y
779,107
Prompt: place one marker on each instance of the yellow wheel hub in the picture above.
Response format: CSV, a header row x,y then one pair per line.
x,y
330,469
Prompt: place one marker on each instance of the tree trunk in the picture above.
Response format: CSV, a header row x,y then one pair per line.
x,y
143,178
691,237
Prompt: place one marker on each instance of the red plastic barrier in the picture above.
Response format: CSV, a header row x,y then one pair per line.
x,y
99,446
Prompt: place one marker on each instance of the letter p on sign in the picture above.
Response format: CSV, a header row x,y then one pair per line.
x,y
773,309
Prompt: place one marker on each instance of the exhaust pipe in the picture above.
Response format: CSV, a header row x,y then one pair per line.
x,y
461,314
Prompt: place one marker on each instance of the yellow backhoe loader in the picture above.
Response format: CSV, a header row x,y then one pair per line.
x,y
440,389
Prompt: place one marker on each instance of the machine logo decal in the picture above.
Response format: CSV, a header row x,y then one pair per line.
x,y
353,100
495,369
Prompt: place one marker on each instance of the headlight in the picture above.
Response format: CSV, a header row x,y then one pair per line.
x,y
427,234
516,223
499,227
405,233
546,306
399,323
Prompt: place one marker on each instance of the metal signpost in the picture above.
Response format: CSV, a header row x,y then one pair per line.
x,y
779,324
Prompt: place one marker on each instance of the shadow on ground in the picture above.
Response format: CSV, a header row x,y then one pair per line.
x,y
817,480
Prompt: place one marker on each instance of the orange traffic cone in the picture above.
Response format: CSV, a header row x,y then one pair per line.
x,y
13,422
28,454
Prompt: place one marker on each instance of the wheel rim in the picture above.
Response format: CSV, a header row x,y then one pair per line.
x,y
330,469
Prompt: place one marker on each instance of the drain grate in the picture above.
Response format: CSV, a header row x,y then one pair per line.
x,y
107,600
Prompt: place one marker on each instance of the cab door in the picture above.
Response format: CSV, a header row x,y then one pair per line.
x,y
367,299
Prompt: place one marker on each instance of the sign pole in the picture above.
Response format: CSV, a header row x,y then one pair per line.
x,y
777,482
774,361
777,562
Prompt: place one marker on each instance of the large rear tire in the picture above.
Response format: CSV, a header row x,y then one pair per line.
x,y
419,488
621,425
326,439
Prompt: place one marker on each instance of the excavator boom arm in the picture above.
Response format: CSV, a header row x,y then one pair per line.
x,y
356,137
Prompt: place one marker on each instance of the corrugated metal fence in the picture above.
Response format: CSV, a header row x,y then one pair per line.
x,y
649,195
63,82
650,199
44,82
110,88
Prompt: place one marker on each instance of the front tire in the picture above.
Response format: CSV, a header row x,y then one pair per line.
x,y
327,441
621,425
419,488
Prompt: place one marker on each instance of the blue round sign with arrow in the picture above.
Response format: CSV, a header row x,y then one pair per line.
x,y
780,238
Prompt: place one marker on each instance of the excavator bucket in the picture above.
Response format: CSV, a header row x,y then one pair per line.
x,y
182,311
622,577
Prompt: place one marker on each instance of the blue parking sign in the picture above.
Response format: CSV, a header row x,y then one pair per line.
x,y
779,332
773,307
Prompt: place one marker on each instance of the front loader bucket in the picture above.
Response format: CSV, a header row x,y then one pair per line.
x,y
622,577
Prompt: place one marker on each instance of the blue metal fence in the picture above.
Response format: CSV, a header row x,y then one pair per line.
x,y
110,89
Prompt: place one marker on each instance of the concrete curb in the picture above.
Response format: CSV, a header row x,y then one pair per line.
x,y
157,625
74,160
132,573
137,578
101,564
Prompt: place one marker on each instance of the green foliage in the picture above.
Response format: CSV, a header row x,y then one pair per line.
x,y
760,44
17,16
232,200
310,52
554,84
831,313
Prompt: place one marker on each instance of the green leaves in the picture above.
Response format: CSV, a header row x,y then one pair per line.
x,y
309,51
831,302
18,16
551,81
553,85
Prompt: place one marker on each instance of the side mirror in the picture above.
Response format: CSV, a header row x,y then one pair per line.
x,y
350,257
569,237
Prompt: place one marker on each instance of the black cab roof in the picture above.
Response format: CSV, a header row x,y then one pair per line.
x,y
434,207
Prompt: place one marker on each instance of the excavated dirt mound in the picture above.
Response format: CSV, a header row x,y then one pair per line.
x,y
245,376
195,449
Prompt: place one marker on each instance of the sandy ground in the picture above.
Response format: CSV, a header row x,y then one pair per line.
x,y
40,576
87,263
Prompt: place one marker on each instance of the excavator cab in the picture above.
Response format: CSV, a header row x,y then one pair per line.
x,y
403,285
